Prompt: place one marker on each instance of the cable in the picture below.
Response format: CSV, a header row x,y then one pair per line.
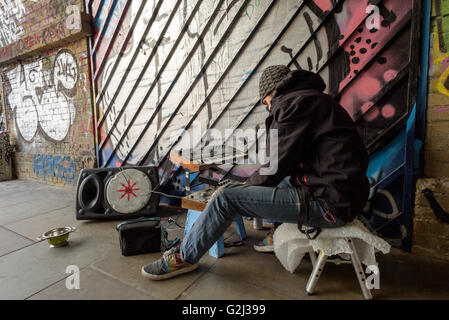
x,y
175,222
167,195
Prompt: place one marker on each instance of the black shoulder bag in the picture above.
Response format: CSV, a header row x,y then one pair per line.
x,y
143,235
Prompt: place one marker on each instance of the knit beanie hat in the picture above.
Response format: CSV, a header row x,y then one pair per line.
x,y
270,78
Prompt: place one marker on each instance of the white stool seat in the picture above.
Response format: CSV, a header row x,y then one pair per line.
x,y
354,239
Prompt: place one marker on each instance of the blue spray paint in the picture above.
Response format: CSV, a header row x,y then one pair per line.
x,y
51,167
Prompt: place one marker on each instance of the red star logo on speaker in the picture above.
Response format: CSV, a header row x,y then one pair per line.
x,y
128,190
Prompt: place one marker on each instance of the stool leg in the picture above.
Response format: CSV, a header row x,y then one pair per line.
x,y
217,249
258,223
312,256
316,273
240,227
359,271
192,215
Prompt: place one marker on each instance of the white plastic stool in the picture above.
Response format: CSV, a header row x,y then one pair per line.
x,y
318,266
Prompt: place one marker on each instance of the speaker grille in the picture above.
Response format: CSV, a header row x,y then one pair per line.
x,y
128,191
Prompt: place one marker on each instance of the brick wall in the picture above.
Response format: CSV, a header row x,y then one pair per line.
x,y
30,26
5,157
431,237
48,101
437,143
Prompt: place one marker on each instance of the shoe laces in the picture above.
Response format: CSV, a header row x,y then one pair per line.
x,y
271,233
171,252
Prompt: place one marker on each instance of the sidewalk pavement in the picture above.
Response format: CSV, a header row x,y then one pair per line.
x,y
31,270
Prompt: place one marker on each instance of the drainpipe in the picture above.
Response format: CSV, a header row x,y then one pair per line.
x,y
421,99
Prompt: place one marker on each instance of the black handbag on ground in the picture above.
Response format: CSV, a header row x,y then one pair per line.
x,y
143,235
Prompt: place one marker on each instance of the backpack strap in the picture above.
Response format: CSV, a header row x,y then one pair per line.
x,y
311,232
165,243
137,220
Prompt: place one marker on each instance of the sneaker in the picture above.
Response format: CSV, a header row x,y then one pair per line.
x,y
265,245
169,266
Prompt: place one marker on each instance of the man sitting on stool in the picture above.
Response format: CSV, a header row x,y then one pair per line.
x,y
321,165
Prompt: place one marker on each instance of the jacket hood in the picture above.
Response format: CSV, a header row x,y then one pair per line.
x,y
300,80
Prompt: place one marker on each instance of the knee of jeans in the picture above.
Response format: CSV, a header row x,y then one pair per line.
x,y
221,201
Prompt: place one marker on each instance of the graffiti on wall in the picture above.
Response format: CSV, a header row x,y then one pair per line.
x,y
2,115
386,218
6,157
108,33
46,87
2,123
439,65
54,167
6,150
198,61
23,29
329,32
40,95
11,13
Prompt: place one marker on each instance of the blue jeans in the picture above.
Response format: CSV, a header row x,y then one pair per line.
x,y
280,204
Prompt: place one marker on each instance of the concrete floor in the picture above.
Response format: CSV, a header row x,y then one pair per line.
x,y
32,270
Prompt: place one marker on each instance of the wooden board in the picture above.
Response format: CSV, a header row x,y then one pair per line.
x,y
187,164
193,204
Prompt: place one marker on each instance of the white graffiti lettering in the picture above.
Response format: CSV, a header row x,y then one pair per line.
x,y
11,12
41,95
73,21
65,73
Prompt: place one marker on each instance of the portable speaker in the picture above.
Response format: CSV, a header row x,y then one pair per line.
x,y
117,193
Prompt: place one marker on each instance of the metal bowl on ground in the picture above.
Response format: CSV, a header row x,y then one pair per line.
x,y
57,237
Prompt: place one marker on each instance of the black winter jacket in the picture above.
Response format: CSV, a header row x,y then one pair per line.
x,y
318,146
